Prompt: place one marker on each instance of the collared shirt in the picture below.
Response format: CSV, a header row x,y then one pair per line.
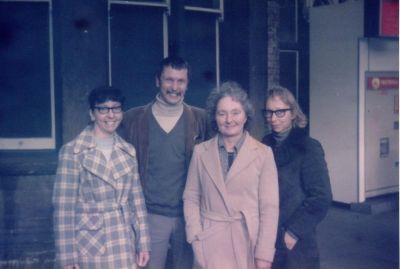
x,y
226,157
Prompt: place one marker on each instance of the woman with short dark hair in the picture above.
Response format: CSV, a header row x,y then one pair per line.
x,y
100,219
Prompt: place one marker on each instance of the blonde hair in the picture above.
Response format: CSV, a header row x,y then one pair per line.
x,y
300,119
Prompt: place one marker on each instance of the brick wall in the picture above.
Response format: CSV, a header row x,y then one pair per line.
x,y
273,43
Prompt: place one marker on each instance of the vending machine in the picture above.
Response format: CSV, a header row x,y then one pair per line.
x,y
381,132
378,117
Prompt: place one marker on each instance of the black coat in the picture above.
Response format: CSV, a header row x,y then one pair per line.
x,y
304,193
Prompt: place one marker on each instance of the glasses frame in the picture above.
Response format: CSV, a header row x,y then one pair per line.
x,y
279,113
104,110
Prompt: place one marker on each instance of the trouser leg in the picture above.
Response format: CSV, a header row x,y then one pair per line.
x,y
182,254
160,231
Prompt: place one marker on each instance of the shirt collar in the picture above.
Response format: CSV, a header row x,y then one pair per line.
x,y
237,146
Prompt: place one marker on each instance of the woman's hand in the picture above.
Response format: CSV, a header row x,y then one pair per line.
x,y
290,242
261,264
142,258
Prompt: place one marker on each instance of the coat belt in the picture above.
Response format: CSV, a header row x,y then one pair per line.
x,y
237,217
218,218
105,207
98,207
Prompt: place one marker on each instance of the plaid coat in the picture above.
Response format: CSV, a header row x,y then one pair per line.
x,y
100,219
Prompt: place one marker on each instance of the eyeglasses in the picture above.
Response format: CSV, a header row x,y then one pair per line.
x,y
106,110
279,113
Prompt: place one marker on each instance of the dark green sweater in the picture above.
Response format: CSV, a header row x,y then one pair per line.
x,y
166,170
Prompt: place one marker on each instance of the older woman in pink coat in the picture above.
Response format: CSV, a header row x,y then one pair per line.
x,y
231,198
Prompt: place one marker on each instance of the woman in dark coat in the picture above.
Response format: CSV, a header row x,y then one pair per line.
x,y
304,188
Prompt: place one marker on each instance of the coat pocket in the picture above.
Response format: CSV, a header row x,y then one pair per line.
x,y
90,234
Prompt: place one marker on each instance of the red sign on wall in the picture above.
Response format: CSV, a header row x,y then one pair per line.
x,y
382,83
389,18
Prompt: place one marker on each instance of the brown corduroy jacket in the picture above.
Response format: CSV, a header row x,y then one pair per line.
x,y
135,130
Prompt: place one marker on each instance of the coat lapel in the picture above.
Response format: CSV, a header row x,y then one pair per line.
x,y
121,161
244,158
94,162
91,159
212,165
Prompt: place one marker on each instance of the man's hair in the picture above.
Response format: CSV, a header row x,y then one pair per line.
x,y
175,63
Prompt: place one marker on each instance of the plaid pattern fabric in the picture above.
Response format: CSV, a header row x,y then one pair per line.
x,y
100,218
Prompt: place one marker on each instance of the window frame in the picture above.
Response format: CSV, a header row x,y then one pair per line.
x,y
40,143
166,4
220,12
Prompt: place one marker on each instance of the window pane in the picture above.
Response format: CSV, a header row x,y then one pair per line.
x,y
287,30
203,3
288,70
141,1
136,50
200,51
25,106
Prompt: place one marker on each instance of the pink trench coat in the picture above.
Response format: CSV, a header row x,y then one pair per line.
x,y
231,221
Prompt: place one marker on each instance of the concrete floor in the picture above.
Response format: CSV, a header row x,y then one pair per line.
x,y
353,240
347,240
